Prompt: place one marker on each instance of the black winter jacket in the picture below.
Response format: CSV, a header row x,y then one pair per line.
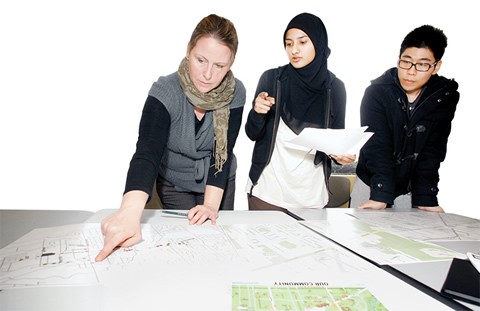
x,y
262,128
405,153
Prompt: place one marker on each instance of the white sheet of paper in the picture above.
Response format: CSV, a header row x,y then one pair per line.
x,y
332,141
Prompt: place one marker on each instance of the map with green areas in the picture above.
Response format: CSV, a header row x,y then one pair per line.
x,y
256,297
381,245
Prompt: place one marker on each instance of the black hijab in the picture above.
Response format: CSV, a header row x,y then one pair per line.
x,y
306,88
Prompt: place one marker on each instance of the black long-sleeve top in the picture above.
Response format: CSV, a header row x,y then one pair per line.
x,y
152,140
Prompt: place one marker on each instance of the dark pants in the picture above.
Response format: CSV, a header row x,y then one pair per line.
x,y
173,199
255,204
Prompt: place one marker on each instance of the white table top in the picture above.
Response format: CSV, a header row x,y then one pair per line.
x,y
192,288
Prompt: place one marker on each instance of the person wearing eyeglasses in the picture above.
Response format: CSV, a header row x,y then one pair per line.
x,y
409,109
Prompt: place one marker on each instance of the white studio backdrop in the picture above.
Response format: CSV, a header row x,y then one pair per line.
x,y
74,76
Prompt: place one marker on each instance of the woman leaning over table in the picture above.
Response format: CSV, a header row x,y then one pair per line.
x,y
188,129
302,94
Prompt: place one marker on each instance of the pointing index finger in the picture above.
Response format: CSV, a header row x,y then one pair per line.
x,y
108,248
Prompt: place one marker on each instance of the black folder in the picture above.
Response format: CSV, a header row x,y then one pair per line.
x,y
462,282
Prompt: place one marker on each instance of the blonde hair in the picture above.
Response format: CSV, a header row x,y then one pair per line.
x,y
218,28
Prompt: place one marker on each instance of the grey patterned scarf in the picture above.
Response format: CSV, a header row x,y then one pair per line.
x,y
218,100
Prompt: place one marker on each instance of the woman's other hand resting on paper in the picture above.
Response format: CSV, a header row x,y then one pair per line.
x,y
201,213
209,209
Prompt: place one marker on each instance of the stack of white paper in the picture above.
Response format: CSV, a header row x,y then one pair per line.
x,y
332,141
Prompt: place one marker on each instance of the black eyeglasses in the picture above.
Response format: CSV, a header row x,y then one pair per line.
x,y
422,67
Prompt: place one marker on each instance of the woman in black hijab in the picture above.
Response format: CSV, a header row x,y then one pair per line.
x,y
288,99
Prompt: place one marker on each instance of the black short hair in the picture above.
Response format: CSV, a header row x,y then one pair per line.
x,y
426,36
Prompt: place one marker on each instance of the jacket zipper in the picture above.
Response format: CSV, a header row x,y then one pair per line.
x,y
423,101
